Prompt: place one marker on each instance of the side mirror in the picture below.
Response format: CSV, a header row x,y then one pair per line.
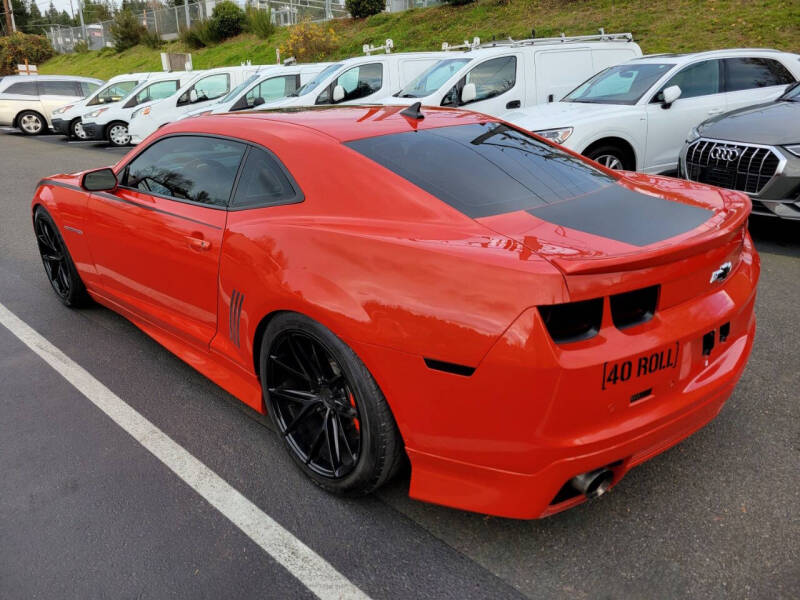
x,y
338,93
670,94
100,180
468,93
193,95
258,101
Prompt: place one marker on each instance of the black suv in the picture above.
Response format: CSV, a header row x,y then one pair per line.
x,y
754,150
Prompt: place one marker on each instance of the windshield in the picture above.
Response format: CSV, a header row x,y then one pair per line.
x,y
432,78
235,91
623,84
309,87
792,94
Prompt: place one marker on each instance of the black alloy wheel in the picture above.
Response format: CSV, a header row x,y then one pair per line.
x,y
333,418
57,262
314,406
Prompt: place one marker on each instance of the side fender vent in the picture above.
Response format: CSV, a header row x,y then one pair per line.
x,y
234,316
440,365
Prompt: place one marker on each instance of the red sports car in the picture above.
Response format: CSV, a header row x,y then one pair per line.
x,y
521,323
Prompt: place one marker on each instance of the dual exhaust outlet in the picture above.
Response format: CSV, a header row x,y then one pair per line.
x,y
593,484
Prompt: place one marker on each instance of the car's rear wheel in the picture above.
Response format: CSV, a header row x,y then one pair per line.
x,y
610,156
58,265
76,129
117,134
31,122
333,418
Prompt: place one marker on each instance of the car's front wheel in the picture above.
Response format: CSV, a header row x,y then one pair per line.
x,y
610,156
76,129
333,418
58,265
31,123
117,134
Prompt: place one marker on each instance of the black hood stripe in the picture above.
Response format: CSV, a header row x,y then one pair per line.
x,y
621,214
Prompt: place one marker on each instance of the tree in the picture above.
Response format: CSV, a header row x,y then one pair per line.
x,y
126,30
359,9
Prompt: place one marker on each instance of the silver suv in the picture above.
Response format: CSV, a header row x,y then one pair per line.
x,y
27,101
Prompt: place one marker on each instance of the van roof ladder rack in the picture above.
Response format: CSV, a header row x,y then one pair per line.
x,y
474,44
368,50
601,36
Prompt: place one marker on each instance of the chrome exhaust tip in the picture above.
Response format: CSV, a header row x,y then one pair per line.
x,y
593,484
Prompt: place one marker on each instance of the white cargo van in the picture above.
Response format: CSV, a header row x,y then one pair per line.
x,y
513,74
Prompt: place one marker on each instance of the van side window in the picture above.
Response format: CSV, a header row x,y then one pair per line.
x,y
491,78
358,82
22,88
208,88
748,73
59,88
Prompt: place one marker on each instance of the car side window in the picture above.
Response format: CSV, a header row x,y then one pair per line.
x,y
699,79
208,88
263,182
272,89
59,88
358,82
491,78
194,168
22,88
748,73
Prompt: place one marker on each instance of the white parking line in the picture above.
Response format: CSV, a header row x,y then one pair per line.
x,y
302,562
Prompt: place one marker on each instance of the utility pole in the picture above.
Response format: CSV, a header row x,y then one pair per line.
x,y
9,17
83,25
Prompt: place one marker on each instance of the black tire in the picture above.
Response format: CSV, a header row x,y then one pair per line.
x,y
112,136
58,264
611,156
30,122
352,390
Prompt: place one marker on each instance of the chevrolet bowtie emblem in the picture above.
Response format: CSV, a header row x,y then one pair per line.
x,y
722,273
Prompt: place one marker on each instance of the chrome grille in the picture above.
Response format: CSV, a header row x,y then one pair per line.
x,y
734,166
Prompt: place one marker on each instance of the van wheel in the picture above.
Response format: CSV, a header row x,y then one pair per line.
x,y
117,134
76,129
30,122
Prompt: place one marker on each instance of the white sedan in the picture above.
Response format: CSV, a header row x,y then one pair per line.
x,y
635,116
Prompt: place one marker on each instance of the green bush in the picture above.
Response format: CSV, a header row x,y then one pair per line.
x,y
259,22
151,39
126,30
81,47
359,9
15,48
199,35
458,2
227,20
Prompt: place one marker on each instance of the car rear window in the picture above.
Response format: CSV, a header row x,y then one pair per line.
x,y
483,169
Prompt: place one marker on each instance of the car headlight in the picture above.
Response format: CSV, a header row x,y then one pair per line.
x,y
96,113
62,110
558,136
694,133
794,149
141,112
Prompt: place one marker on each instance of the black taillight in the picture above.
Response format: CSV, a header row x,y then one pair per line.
x,y
633,308
573,321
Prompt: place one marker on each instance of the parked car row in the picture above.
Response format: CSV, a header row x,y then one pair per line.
x,y
595,95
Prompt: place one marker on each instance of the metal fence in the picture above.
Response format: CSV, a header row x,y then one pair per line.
x,y
168,22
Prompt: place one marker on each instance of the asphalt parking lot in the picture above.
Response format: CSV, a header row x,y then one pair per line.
x,y
87,512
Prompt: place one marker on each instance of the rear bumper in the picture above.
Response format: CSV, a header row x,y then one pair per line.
x,y
60,126
508,439
94,131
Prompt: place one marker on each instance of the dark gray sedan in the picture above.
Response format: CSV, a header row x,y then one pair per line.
x,y
754,150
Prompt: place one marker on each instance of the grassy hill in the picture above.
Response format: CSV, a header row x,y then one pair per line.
x,y
658,26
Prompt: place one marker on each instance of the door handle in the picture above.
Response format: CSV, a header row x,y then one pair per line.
x,y
197,243
715,111
514,104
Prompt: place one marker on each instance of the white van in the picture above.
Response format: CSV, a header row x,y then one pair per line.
x,y
200,91
67,119
361,80
110,123
27,101
514,74
270,84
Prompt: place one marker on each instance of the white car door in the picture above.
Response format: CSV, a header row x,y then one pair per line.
x,y
499,85
754,80
701,97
